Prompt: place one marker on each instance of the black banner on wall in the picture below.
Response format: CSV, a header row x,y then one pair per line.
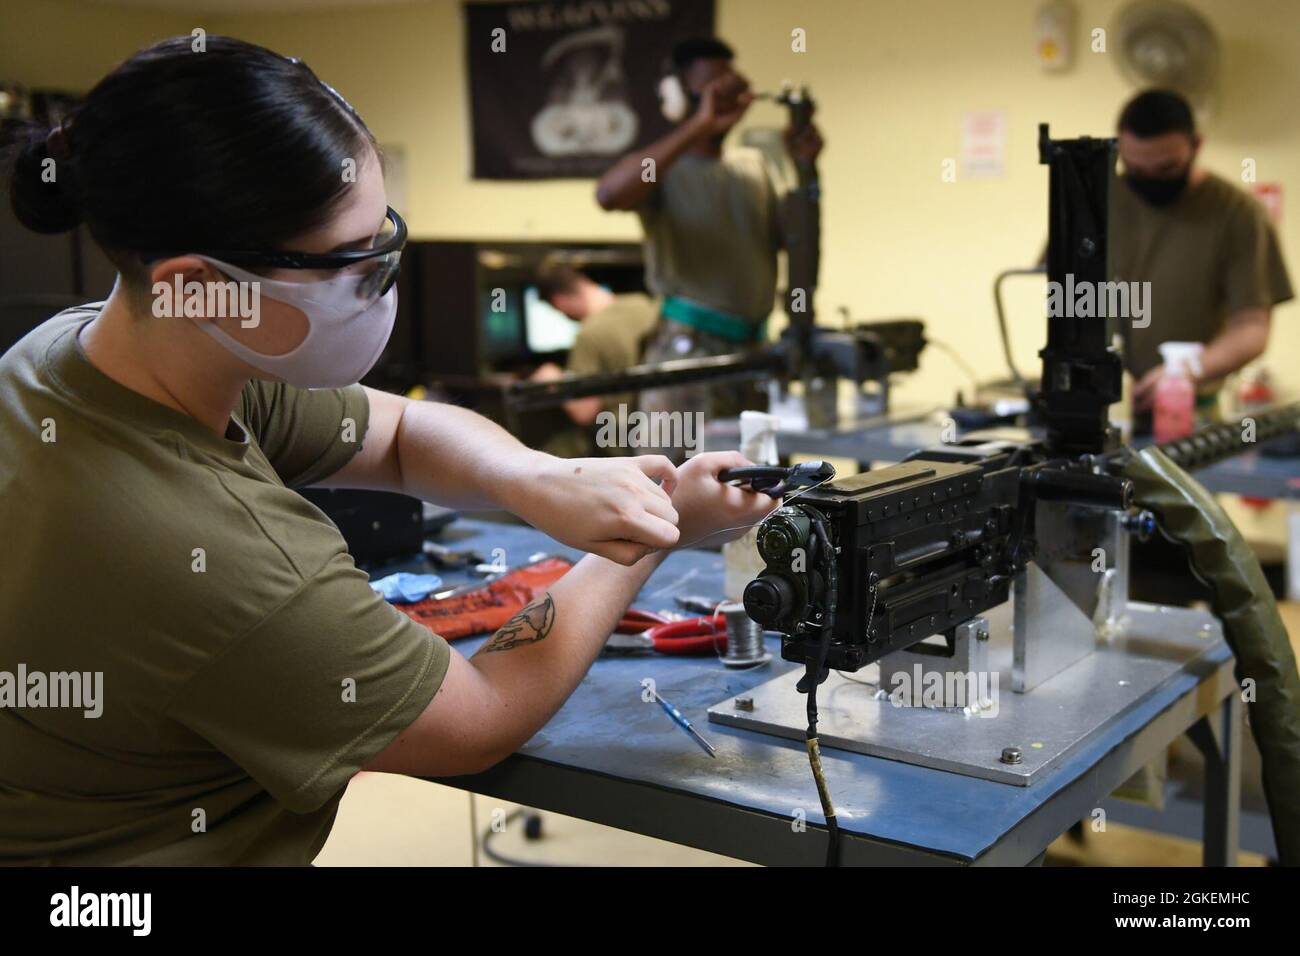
x,y
559,90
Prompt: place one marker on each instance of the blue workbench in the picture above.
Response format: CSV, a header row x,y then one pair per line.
x,y
611,758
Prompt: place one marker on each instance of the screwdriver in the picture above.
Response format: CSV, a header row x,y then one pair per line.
x,y
683,723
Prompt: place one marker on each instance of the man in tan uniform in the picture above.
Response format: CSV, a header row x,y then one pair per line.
x,y
612,335
1206,247
711,226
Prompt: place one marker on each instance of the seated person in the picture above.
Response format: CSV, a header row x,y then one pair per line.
x,y
612,334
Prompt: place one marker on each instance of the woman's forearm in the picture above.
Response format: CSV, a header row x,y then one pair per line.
x,y
537,660
458,458
488,706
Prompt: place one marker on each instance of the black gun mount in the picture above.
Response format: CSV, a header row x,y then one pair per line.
x,y
1082,374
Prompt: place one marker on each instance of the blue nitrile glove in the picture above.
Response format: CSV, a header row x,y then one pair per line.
x,y
406,588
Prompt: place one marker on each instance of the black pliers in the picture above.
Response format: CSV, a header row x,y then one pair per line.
x,y
775,480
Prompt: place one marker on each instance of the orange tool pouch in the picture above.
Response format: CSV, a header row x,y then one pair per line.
x,y
485,609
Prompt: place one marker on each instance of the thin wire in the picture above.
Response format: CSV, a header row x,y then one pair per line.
x,y
498,857
746,527
855,680
961,362
673,586
718,650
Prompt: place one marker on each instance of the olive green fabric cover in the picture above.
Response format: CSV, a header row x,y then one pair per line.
x,y
1220,557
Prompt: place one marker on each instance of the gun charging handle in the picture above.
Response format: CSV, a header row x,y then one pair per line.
x,y
776,480
1080,488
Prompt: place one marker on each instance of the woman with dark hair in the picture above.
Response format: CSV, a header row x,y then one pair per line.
x,y
232,668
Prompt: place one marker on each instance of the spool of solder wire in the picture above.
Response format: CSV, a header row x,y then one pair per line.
x,y
745,644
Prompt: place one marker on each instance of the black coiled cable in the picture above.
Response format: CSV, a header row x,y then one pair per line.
x,y
815,672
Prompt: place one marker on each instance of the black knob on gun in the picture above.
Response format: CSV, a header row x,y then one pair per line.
x,y
768,598
1080,488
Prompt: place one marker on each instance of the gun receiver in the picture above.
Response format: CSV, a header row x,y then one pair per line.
x,y
918,548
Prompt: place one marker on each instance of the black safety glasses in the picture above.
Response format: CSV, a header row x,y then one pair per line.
x,y
385,254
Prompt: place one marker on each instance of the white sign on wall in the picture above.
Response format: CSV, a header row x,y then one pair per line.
x,y
983,150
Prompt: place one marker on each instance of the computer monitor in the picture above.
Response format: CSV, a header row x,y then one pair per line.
x,y
502,315
546,328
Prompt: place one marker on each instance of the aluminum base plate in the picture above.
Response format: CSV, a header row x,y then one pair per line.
x,y
1148,646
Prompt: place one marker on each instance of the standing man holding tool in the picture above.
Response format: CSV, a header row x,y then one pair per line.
x,y
1206,247
711,218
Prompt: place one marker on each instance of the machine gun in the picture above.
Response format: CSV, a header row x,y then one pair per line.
x,y
875,563
879,561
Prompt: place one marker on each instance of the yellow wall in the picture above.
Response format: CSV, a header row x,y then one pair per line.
x,y
70,44
892,79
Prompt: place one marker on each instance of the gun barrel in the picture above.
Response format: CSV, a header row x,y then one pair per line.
x,y
759,363
1216,442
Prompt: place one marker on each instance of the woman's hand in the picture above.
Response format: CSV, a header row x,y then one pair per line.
x,y
606,506
710,512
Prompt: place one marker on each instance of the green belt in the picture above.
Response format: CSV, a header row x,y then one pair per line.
x,y
712,321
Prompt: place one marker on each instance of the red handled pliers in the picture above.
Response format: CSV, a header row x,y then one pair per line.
x,y
692,635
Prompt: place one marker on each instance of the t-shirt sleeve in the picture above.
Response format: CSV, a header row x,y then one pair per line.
x,y
306,434
314,692
1255,275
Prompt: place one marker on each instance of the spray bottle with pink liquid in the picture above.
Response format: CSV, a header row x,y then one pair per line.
x,y
1175,400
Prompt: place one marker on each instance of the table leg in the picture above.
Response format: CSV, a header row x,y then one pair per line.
x,y
1218,737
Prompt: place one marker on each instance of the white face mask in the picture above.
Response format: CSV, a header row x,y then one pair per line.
x,y
347,328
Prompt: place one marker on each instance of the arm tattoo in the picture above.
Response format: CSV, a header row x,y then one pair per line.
x,y
529,626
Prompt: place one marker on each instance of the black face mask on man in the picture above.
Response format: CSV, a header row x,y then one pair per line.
x,y
1158,190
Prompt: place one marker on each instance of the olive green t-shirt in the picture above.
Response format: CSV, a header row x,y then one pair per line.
x,y
247,670
1207,255
614,339
607,341
712,232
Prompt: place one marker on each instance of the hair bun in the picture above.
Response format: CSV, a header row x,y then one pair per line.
x,y
40,186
